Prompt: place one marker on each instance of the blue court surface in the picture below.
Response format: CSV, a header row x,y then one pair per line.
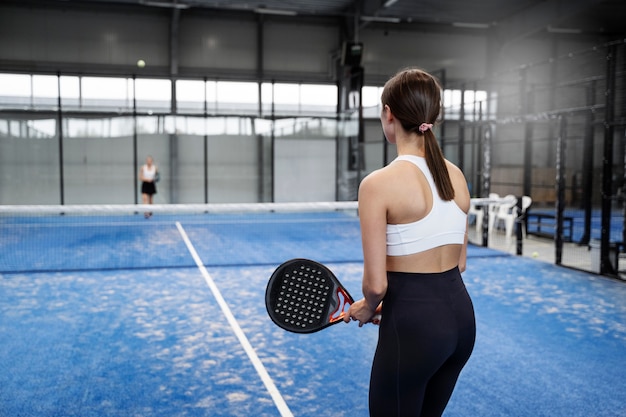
x,y
119,319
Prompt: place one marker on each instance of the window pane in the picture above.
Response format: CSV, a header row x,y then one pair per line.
x,y
370,96
286,94
211,91
190,90
105,88
452,98
45,128
263,126
45,86
157,90
15,85
237,92
266,93
153,95
70,87
318,94
190,95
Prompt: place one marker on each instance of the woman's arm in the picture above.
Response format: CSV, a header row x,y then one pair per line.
x,y
462,199
373,218
463,257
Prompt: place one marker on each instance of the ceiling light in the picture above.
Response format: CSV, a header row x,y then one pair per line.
x,y
381,19
165,4
389,3
552,29
471,25
262,10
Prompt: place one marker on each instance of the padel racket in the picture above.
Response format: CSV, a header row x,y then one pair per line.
x,y
304,296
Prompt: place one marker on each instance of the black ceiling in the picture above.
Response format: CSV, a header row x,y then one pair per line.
x,y
510,18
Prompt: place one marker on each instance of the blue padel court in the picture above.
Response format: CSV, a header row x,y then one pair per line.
x,y
126,316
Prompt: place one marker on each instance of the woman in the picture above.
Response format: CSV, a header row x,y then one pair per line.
x,y
147,176
413,216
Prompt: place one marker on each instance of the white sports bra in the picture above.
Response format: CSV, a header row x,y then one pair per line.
x,y
445,224
149,173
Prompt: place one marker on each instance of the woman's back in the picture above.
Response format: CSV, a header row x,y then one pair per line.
x,y
409,197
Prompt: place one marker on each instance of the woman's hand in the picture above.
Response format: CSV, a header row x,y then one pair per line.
x,y
361,311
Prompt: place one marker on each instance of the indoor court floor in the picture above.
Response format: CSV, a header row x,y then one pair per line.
x,y
182,339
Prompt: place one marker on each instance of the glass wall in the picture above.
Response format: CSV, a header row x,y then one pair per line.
x,y
72,139
81,139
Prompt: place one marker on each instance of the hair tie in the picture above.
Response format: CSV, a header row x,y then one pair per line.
x,y
425,126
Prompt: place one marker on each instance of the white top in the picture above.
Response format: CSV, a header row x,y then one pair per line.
x,y
149,173
445,224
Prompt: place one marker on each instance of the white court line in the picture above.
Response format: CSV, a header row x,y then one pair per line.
x,y
256,362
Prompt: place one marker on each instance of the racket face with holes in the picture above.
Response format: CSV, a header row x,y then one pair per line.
x,y
304,296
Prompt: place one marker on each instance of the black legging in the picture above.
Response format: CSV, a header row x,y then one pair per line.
x,y
426,336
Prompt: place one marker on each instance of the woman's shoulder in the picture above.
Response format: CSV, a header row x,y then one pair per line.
x,y
375,181
452,167
455,172
379,175
460,185
386,182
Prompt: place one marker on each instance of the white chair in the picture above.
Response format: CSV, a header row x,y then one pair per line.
x,y
478,211
493,209
505,212
526,202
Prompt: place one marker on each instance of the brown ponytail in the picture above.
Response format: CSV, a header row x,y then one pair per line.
x,y
415,98
438,168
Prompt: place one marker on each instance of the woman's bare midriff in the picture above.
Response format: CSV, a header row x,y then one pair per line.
x,y
439,259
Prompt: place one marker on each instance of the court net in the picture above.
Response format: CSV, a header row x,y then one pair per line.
x,y
110,237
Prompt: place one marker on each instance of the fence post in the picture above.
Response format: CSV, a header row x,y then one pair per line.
x,y
560,187
607,162
486,179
